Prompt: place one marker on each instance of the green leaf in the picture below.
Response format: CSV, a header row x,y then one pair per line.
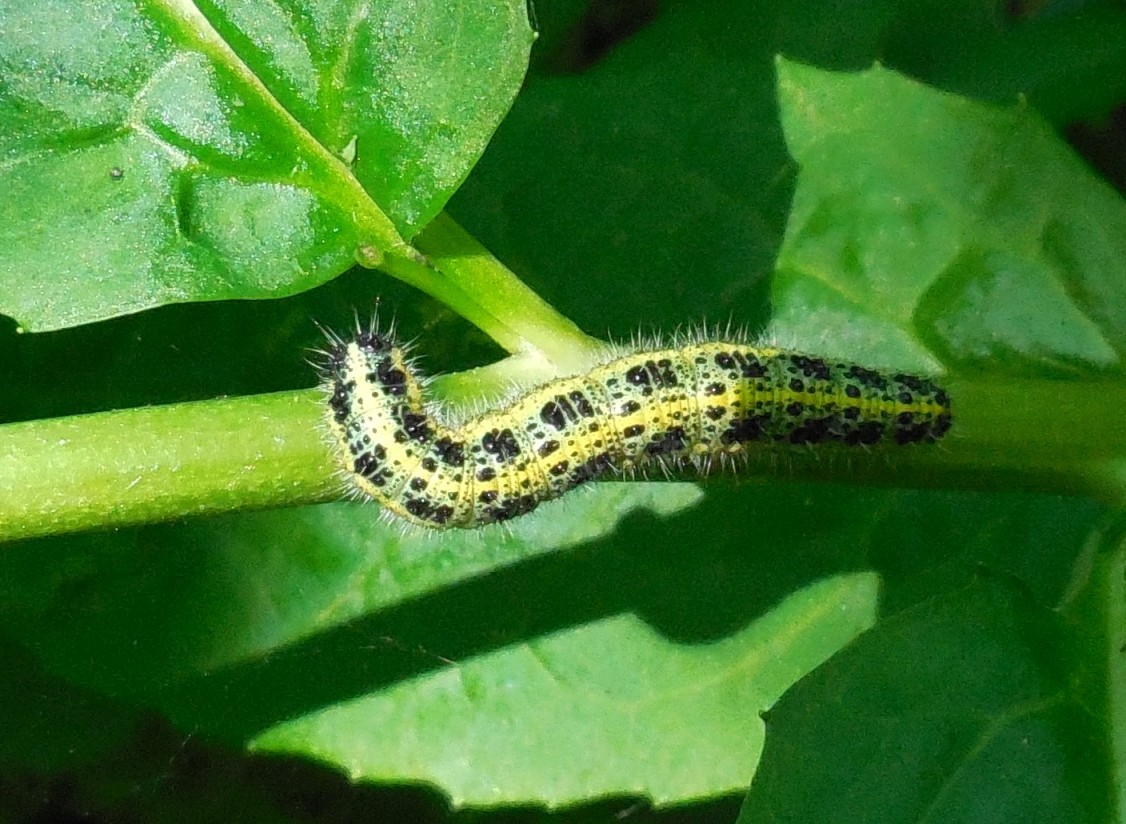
x,y
631,704
659,198
321,631
1066,59
955,710
1096,609
972,221
928,229
232,633
52,728
1008,258
160,153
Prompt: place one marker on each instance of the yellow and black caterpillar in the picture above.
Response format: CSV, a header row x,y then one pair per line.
x,y
671,407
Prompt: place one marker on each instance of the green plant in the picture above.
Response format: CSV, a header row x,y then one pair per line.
x,y
625,641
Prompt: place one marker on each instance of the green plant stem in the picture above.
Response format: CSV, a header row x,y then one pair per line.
x,y
465,276
159,463
1028,434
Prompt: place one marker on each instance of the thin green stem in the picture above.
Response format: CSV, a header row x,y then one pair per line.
x,y
457,270
490,296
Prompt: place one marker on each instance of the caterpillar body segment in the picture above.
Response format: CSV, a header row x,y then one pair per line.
x,y
667,407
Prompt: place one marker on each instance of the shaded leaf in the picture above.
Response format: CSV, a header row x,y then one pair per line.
x,y
955,710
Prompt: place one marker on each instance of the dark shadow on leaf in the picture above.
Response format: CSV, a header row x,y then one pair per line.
x,y
692,578
70,754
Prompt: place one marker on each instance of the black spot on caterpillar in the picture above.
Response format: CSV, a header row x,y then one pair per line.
x,y
682,406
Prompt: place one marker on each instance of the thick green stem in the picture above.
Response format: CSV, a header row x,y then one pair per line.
x,y
159,463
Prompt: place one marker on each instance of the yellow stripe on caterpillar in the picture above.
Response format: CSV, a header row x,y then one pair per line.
x,y
672,406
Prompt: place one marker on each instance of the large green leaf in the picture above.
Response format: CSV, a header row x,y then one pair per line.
x,y
165,152
320,631
972,221
958,709
606,708
1017,261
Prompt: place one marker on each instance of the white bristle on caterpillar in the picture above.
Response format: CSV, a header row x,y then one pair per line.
x,y
667,407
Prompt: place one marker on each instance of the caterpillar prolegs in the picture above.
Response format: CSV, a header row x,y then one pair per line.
x,y
684,406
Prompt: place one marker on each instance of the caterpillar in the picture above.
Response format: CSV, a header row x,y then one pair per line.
x,y
673,407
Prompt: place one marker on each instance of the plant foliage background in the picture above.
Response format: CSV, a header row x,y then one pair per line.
x,y
616,652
